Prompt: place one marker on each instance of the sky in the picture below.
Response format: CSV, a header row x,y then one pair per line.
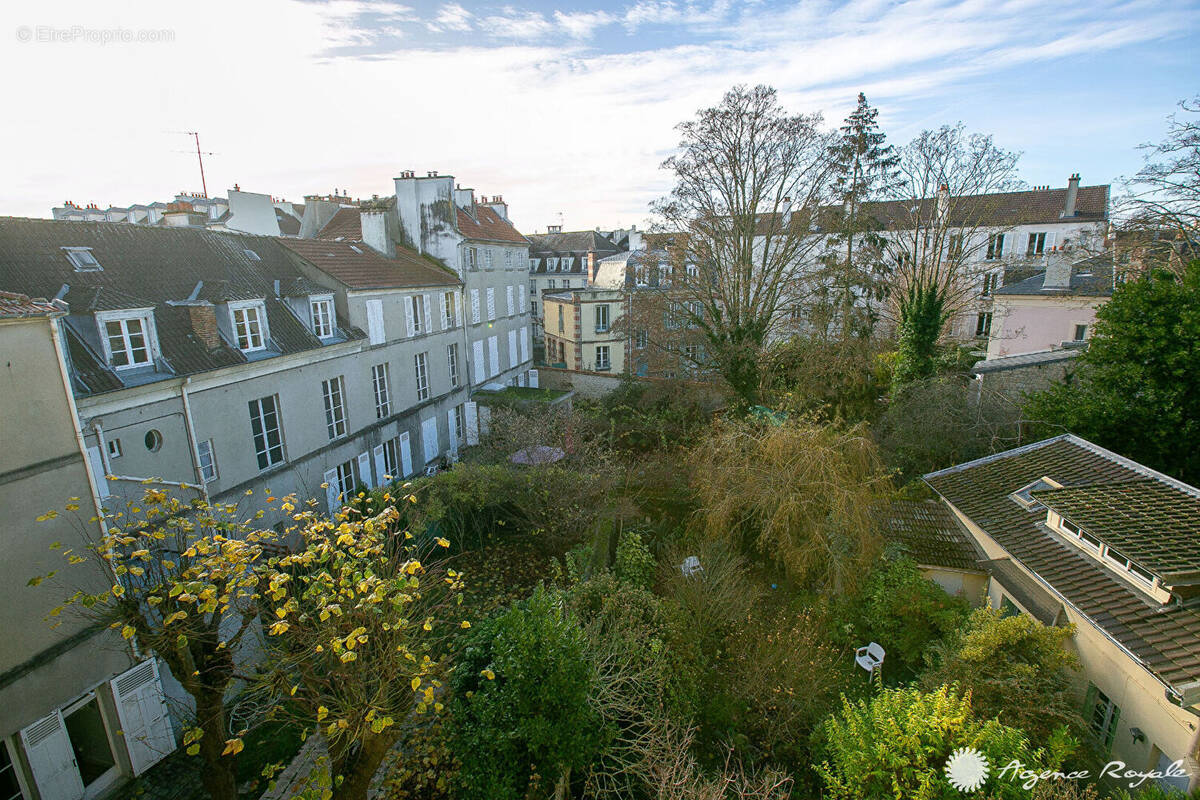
x,y
565,109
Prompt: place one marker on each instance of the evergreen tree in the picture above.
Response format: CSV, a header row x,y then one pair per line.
x,y
864,169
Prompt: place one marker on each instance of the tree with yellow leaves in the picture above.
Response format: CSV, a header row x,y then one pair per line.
x,y
183,581
356,625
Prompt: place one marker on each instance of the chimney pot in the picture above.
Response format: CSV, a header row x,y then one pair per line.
x,y
1072,196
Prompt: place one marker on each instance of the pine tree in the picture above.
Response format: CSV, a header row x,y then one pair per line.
x,y
865,169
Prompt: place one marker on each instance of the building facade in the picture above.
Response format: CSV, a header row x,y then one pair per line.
x,y
582,331
559,260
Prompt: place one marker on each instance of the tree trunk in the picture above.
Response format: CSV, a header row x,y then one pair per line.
x,y
220,772
563,787
358,770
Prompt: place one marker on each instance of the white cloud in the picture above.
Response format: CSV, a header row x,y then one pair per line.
x,y
520,25
451,17
582,24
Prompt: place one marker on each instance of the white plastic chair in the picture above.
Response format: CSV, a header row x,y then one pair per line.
x,y
690,566
870,657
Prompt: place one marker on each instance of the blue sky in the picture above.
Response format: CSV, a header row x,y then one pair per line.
x,y
564,108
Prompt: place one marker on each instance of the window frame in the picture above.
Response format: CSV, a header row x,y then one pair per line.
x,y
416,307
259,308
1036,244
266,449
602,325
333,397
325,301
995,247
145,316
983,324
452,363
381,387
1076,332
421,376
208,472
71,252
449,310
606,364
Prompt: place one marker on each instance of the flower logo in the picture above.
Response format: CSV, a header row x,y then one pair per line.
x,y
966,769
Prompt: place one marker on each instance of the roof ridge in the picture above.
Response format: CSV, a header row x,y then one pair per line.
x,y
1129,463
1025,448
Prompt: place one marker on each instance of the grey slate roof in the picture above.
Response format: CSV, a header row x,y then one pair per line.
x,y
145,266
1036,358
1091,277
1164,638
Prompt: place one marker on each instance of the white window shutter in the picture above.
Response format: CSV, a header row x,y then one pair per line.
x,y
477,361
512,349
508,295
491,303
429,439
533,378
331,491
1050,241
458,309
474,306
364,469
471,415
525,343
380,465
428,315
522,306
375,331
52,759
406,454
494,355
145,722
450,431
408,317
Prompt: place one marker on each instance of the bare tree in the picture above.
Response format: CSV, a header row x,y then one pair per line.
x,y
748,178
943,220
1164,196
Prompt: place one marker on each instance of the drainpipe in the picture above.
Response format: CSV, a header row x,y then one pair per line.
x,y
56,338
191,434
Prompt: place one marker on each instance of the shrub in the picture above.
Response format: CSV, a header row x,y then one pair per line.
x,y
635,563
896,744
521,720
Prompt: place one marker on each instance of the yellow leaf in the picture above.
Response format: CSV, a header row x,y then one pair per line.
x,y
443,542
416,684
128,632
487,673
322,713
464,624
232,747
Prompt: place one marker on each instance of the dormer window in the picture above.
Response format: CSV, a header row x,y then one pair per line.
x,y
128,337
82,259
1110,555
321,316
249,325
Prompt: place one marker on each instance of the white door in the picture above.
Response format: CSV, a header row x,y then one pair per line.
x,y
380,465
332,491
364,469
533,378
375,332
429,439
494,355
144,719
512,349
477,361
471,415
405,454
51,758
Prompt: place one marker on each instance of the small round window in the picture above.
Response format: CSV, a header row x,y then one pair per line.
x,y
153,440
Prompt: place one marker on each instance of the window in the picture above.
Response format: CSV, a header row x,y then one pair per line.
x,y
1101,714
344,485
1128,565
1024,495
487,258
416,308
602,318
82,259
692,271
268,436
1089,540
602,362
248,327
460,423
335,406
128,342
955,247
449,310
989,283
560,319
1037,244
552,284
983,324
640,340
422,374
995,248
322,318
1081,332
114,448
379,381
533,262
472,259
153,440
508,259
253,256
208,460
391,459
452,363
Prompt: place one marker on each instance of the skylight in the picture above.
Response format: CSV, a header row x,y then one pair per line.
x,y
1024,495
253,256
82,259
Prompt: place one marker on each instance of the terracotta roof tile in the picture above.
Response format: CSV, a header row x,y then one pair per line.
x,y
487,224
357,266
14,305
931,535
345,225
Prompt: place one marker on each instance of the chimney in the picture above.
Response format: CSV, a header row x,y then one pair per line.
x,y
1058,272
554,229
203,317
498,205
943,200
1072,196
786,213
375,231
431,173
465,199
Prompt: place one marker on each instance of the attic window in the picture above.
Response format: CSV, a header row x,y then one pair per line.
x,y
1024,495
82,260
253,256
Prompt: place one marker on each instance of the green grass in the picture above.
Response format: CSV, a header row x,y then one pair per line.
x,y
524,394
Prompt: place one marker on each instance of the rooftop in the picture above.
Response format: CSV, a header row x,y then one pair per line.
x,y
486,224
357,266
931,535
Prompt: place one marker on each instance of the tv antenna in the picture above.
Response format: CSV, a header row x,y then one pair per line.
x,y
199,157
